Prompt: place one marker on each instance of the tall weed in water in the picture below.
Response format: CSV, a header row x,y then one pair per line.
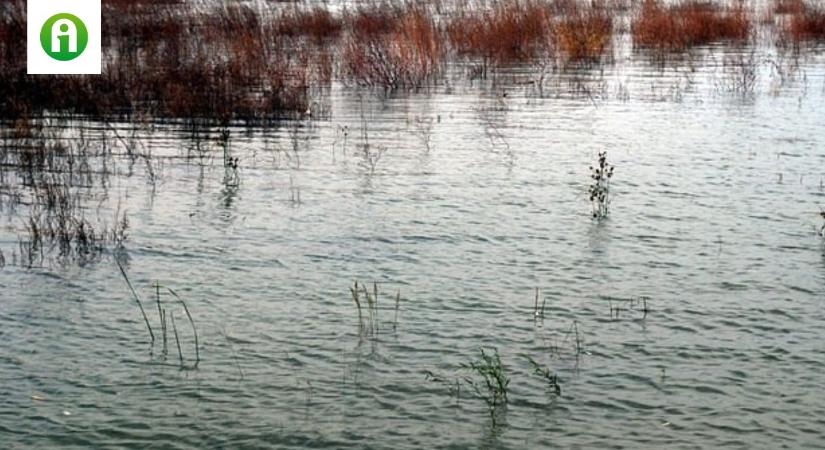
x,y
550,378
599,191
163,312
490,381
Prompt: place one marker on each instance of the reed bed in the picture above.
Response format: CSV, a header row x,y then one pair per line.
x,y
511,31
801,21
172,60
680,26
392,48
585,32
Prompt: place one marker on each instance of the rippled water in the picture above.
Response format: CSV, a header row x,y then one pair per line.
x,y
717,195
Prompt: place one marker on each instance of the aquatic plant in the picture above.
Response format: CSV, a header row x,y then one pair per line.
x,y
137,300
803,21
585,32
599,191
679,26
370,325
822,228
491,381
550,378
511,31
538,312
631,304
162,315
453,384
391,48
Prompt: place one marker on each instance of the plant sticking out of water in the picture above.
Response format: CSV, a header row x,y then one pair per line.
x,y
230,165
368,326
600,188
397,304
631,304
538,312
546,374
453,385
163,313
490,382
370,154
822,228
191,322
137,300
579,338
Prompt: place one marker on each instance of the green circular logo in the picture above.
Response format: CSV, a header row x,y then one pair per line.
x,y
64,37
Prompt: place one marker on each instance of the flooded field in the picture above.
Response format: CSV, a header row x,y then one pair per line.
x,y
353,276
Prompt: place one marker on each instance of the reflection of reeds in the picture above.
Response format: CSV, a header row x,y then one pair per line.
x,y
680,26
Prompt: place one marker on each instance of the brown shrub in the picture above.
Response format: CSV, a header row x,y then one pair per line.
x,y
512,31
401,48
690,23
803,21
585,32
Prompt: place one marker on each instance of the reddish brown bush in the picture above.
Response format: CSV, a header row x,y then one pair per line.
x,y
802,21
512,31
585,33
690,23
317,23
401,48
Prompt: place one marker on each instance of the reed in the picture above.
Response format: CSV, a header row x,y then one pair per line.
x,y
803,21
585,33
391,48
680,26
317,24
538,312
177,340
511,31
355,298
137,300
191,322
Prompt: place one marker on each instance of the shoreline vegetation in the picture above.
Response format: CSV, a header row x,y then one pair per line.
x,y
169,59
